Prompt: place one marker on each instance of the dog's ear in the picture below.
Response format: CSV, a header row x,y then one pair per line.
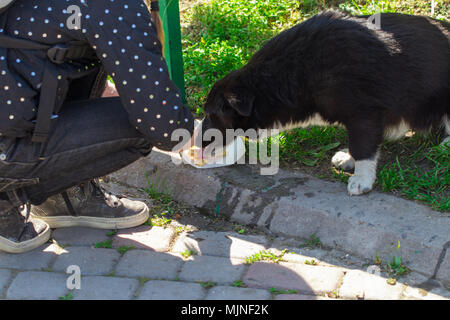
x,y
242,102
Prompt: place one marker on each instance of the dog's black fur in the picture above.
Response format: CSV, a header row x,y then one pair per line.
x,y
338,67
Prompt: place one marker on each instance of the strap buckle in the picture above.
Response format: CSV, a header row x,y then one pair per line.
x,y
58,54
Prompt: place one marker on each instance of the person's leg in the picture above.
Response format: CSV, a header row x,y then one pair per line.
x,y
98,139
90,139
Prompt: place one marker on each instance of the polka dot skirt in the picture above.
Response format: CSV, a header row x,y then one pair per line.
x,y
124,37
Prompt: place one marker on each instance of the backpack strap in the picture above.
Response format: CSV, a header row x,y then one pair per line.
x,y
48,98
57,54
47,103
15,43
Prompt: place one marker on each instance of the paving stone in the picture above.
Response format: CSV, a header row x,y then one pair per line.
x,y
444,269
35,285
149,264
5,278
413,279
345,260
91,261
106,288
215,269
79,236
232,293
359,284
221,244
145,237
37,259
171,290
298,258
441,292
412,293
303,278
295,246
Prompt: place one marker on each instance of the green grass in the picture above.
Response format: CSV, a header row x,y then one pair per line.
x,y
162,210
68,296
104,244
309,147
112,233
208,284
422,175
188,253
395,268
124,249
311,262
239,284
265,255
280,291
312,242
221,36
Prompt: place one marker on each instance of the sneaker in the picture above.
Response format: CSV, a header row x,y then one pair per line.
x,y
19,232
89,205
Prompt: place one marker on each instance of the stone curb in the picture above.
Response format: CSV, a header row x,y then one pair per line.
x,y
297,205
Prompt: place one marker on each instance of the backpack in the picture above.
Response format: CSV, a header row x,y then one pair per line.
x,y
51,98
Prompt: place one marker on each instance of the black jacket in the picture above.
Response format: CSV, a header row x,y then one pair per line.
x,y
124,38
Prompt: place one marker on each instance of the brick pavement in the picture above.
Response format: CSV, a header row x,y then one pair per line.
x,y
160,263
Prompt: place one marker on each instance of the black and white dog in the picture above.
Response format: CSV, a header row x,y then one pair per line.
x,y
333,68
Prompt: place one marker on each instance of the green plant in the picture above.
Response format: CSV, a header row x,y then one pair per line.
x,y
208,284
369,7
157,191
123,249
187,253
265,255
280,291
311,146
104,244
222,37
377,259
68,296
158,220
143,280
239,284
429,184
396,267
311,262
112,233
312,242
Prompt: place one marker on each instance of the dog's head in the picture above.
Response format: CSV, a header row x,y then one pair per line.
x,y
229,105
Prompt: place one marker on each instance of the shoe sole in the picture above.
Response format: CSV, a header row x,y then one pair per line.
x,y
25,246
96,222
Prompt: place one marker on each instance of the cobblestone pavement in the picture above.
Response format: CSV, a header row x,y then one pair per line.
x,y
181,261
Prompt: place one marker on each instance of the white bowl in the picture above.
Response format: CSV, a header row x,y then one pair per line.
x,y
233,153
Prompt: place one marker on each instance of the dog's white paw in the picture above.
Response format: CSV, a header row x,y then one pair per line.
x,y
360,184
445,141
343,160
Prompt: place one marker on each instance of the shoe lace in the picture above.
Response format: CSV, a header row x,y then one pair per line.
x,y
98,190
27,215
101,191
